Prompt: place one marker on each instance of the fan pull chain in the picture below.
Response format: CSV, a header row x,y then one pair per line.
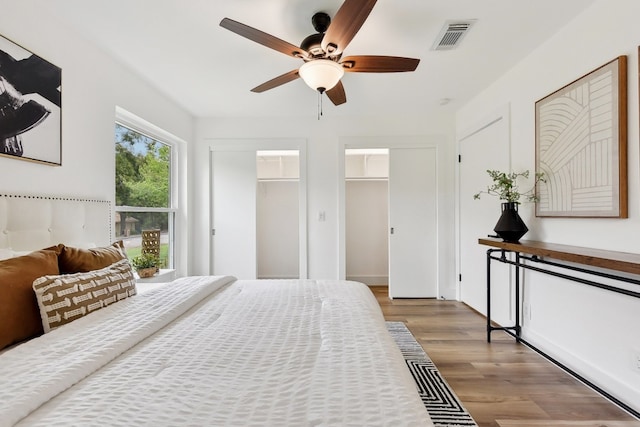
x,y
319,104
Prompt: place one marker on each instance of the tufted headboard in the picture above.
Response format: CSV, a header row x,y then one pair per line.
x,y
30,222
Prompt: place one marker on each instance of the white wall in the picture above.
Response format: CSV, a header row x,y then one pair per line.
x,y
93,84
323,158
591,330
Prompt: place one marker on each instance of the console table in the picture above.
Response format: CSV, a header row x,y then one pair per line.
x,y
532,255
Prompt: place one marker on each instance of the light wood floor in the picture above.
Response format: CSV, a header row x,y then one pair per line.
x,y
502,383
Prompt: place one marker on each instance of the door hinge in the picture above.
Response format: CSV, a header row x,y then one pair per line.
x,y
459,277
213,231
459,158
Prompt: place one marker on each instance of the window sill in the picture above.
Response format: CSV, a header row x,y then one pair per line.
x,y
165,275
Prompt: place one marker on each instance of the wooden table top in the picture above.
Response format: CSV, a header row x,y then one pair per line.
x,y
613,260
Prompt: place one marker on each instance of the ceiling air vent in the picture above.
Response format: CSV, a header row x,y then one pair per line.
x,y
452,34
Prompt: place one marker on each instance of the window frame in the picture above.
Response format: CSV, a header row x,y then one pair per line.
x,y
137,124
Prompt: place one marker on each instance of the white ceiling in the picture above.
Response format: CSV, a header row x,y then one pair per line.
x,y
181,49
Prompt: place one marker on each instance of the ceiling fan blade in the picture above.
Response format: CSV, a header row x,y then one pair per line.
x,y
378,64
336,94
280,80
345,24
263,38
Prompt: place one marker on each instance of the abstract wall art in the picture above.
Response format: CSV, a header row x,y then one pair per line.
x,y
581,146
30,105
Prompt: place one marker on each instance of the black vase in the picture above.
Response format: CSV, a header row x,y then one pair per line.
x,y
510,226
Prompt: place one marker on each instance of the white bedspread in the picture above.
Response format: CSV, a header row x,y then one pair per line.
x,y
211,351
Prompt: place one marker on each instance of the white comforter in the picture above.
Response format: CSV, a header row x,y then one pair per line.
x,y
211,351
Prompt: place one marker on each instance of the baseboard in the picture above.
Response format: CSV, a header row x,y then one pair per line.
x,y
618,389
371,280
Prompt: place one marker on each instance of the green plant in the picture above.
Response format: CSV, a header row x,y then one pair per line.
x,y
133,252
505,186
146,260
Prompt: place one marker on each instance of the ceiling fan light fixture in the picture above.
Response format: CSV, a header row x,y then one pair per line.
x,y
321,74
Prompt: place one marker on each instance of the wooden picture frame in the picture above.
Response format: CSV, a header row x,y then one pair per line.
x,y
30,106
581,146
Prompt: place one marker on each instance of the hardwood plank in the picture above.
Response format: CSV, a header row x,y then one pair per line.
x,y
502,383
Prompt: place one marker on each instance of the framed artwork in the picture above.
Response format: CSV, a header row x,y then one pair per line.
x,y
30,106
581,146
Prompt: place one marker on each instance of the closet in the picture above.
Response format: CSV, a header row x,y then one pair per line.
x,y
277,201
258,209
367,215
390,233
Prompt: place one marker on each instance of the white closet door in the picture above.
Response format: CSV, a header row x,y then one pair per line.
x,y
413,254
234,213
485,148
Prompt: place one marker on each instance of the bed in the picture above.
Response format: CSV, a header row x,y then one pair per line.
x,y
202,350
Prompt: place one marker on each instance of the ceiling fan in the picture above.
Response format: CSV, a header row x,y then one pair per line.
x,y
324,65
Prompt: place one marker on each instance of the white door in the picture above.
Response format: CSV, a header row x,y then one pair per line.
x,y
234,213
487,147
413,254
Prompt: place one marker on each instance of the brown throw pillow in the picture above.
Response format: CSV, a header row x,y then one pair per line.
x,y
67,297
19,314
76,260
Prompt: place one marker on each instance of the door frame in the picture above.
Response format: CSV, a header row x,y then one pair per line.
x,y
258,144
360,142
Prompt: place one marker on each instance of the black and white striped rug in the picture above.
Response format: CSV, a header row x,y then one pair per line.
x,y
441,402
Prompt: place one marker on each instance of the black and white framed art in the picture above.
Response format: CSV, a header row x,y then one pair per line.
x,y
30,105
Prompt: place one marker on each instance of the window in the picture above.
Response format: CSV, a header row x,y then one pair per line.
x,y
144,188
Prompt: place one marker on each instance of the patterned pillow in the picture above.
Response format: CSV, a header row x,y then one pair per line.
x,y
65,298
